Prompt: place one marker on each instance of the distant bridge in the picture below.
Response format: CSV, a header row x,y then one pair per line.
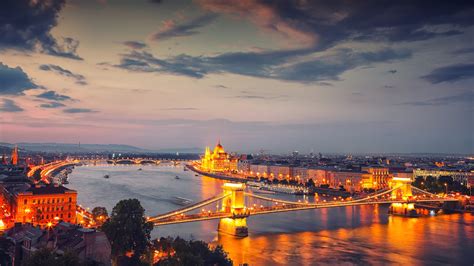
x,y
234,210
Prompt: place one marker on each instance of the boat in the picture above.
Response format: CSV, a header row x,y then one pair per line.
x,y
196,175
261,191
185,169
181,201
106,176
139,169
176,177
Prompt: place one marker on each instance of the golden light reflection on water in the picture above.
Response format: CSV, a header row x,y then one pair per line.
x,y
367,235
404,241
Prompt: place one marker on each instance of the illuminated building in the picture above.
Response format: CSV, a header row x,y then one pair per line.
x,y
459,176
15,156
42,205
218,160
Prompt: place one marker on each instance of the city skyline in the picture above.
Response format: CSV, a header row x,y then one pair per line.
x,y
293,75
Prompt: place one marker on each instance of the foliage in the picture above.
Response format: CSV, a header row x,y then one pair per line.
x,y
46,257
182,252
99,212
127,229
439,185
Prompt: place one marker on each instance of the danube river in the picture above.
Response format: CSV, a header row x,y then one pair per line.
x,y
351,235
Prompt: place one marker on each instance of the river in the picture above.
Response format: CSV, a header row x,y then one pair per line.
x,y
352,235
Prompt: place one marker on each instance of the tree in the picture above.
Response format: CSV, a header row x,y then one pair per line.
x,y
46,257
127,229
189,252
100,214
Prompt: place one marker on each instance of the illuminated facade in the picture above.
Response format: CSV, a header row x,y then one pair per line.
x,y
218,160
45,205
15,156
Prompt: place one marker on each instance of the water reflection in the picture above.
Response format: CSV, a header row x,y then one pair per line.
x,y
352,235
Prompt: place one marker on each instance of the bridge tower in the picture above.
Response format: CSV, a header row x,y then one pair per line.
x,y
402,193
235,205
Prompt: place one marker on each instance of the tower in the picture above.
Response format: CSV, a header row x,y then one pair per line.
x,y
234,204
15,155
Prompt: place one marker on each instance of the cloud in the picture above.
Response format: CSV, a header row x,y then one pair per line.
x,y
280,64
10,106
464,51
180,109
52,95
327,23
52,105
26,25
465,97
135,44
250,96
171,29
79,110
450,73
80,79
13,81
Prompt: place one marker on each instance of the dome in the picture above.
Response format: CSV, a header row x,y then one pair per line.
x,y
219,148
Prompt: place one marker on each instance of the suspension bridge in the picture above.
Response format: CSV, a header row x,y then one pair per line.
x,y
234,205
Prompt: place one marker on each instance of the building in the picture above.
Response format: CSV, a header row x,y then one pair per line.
x,y
280,172
243,164
15,156
41,205
218,160
379,177
87,244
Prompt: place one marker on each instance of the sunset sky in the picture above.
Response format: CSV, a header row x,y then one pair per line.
x,y
326,76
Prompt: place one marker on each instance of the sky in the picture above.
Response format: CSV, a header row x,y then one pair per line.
x,y
338,76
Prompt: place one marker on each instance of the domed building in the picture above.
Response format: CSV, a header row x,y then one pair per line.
x,y
218,160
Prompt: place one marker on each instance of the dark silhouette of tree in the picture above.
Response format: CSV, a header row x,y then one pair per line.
x,y
46,257
182,252
127,230
100,215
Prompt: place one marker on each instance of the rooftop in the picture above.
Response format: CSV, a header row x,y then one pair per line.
x,y
50,189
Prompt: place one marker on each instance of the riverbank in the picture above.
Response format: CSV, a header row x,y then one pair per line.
x,y
218,176
274,187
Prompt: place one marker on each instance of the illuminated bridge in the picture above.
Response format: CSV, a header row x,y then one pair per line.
x,y
133,161
45,170
236,205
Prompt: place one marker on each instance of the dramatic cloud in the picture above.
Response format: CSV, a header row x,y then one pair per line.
x,y
465,97
270,64
79,110
80,79
173,29
10,106
52,95
450,73
135,44
13,81
26,25
52,105
326,23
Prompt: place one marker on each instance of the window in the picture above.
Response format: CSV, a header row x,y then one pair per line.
x,y
70,199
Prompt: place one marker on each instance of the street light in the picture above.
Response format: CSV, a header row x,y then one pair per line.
x,y
446,185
